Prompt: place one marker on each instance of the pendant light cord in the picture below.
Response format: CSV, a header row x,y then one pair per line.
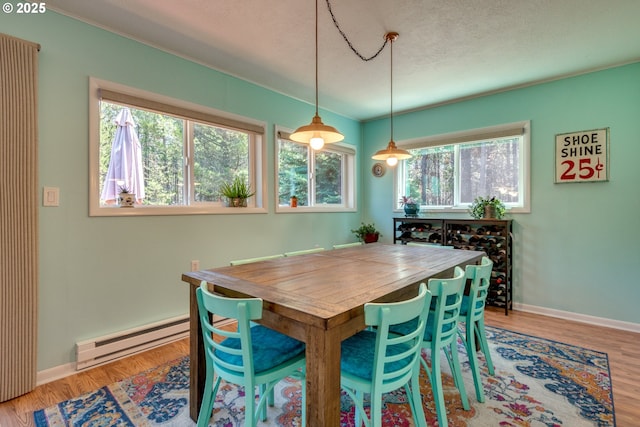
x,y
316,57
391,37
344,36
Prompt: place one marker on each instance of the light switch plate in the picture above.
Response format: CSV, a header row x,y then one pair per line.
x,y
51,196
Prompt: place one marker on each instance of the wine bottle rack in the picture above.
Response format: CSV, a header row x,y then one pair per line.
x,y
492,236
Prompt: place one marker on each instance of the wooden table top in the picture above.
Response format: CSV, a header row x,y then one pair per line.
x,y
328,288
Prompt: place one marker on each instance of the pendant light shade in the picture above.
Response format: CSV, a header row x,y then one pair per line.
x,y
391,154
316,133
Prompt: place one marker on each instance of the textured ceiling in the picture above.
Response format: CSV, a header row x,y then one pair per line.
x,y
447,49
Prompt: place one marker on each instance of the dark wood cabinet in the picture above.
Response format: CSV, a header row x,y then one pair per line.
x,y
492,236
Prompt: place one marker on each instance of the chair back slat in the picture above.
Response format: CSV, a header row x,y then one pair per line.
x,y
447,309
241,309
480,276
391,348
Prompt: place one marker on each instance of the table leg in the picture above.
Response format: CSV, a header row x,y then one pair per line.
x,y
323,377
197,364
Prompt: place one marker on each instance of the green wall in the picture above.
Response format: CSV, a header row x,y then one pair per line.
x,y
577,249
100,275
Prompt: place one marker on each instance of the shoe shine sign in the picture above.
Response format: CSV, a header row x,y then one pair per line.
x,y
582,156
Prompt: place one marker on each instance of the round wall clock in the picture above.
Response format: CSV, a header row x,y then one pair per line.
x,y
378,170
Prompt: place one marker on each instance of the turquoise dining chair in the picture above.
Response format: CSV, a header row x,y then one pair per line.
x,y
437,245
421,244
303,252
472,315
374,361
249,356
250,260
441,335
348,245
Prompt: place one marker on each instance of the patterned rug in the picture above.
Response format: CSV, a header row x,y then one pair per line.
x,y
537,383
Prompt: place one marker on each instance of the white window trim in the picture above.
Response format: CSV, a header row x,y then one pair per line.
x,y
490,132
348,182
258,151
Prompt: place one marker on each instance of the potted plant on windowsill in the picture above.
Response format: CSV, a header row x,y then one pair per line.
x,y
126,198
367,233
487,207
236,192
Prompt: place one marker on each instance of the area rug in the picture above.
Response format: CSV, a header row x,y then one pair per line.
x,y
537,382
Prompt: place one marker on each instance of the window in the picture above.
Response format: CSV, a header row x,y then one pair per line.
x,y
174,158
321,180
448,172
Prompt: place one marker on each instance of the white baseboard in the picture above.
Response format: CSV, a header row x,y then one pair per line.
x,y
577,317
55,373
61,371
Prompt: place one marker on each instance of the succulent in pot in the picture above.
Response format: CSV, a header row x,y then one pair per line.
x,y
237,192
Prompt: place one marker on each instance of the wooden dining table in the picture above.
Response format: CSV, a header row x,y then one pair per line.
x,y
319,299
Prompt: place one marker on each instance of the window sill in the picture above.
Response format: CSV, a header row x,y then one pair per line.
x,y
174,210
449,209
306,209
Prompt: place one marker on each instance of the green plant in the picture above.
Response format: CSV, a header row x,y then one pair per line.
x,y
364,230
238,189
477,208
124,189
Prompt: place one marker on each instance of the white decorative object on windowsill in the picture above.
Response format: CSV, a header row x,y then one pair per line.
x,y
126,199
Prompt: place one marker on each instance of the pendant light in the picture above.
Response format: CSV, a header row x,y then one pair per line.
x,y
392,153
316,133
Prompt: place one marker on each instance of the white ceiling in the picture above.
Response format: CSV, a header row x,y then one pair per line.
x,y
447,49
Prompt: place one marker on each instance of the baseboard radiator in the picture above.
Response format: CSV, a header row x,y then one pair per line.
x,y
116,346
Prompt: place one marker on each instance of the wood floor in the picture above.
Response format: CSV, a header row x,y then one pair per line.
x,y
622,347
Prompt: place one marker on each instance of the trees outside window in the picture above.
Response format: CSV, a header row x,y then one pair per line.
x,y
321,180
186,155
219,155
449,176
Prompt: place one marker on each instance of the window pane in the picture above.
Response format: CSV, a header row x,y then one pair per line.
x,y
449,171
161,142
293,172
162,137
328,178
322,180
430,176
219,156
490,169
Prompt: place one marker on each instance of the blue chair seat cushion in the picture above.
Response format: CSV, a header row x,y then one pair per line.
x,y
270,349
358,354
464,306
